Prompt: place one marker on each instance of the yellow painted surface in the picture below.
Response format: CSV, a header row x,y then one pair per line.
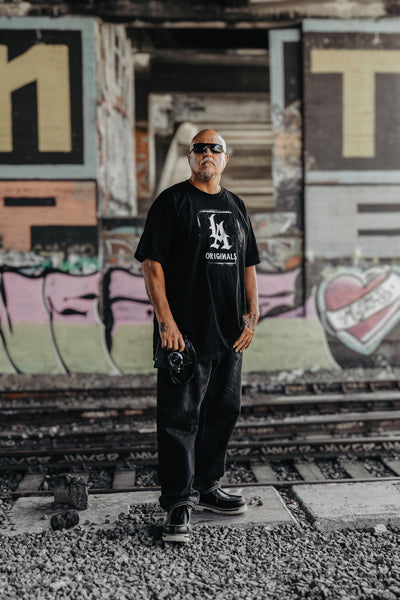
x,y
80,346
286,344
358,69
30,348
279,344
132,348
48,65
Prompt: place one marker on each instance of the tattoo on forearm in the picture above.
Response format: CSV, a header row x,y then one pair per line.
x,y
163,327
250,321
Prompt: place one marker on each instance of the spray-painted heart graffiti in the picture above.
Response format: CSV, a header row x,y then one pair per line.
x,y
360,308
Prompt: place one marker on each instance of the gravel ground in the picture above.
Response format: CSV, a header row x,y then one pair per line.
x,y
130,561
377,468
331,469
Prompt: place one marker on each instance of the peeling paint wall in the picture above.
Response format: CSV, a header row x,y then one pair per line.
x,y
115,123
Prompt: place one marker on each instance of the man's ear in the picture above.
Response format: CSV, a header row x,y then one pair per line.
x,y
226,159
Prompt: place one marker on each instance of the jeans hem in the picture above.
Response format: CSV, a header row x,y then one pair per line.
x,y
178,504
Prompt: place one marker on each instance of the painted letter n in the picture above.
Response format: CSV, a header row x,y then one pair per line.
x,y
48,65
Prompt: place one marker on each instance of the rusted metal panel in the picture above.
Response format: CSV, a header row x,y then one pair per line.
x,y
142,163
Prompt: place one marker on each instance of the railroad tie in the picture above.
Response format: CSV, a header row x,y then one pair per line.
x,y
309,471
264,472
394,465
31,482
124,479
355,470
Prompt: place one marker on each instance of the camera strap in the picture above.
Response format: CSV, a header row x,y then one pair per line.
x,y
160,357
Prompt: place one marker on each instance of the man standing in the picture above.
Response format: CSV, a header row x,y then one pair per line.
x,y
199,254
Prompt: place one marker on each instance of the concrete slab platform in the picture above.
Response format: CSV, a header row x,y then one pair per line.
x,y
349,505
33,514
272,512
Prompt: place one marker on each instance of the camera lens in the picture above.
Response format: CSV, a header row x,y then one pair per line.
x,y
175,360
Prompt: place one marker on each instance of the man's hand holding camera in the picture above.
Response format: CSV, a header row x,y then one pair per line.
x,y
171,337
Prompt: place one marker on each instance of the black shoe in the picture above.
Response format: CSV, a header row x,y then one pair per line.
x,y
177,527
222,502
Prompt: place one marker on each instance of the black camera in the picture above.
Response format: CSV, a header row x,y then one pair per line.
x,y
181,365
177,360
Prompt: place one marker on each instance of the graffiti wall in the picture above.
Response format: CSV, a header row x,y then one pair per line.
x,y
352,82
72,298
58,322
66,160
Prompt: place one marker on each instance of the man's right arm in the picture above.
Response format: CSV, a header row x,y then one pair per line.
x,y
171,337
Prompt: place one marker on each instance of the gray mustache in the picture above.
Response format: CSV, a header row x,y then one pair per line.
x,y
204,160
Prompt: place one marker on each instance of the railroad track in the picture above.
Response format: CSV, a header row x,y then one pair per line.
x,y
263,473
80,430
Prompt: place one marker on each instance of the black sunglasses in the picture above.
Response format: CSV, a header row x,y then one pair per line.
x,y
201,148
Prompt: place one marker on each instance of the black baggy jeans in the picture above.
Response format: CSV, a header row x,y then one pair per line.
x,y
194,424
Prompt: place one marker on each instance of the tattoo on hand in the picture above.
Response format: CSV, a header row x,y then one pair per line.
x,y
163,327
250,321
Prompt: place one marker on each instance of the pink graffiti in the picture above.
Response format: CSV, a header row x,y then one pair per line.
x,y
128,298
24,302
72,298
277,295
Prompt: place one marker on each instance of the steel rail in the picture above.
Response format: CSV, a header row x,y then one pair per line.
x,y
272,483
238,451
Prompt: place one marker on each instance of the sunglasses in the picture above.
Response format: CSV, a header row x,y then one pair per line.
x,y
201,148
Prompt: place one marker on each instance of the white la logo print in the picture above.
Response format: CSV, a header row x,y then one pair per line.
x,y
221,239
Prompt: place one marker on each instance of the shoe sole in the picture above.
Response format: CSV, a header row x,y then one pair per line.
x,y
221,511
181,537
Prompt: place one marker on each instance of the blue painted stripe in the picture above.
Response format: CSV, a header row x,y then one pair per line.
x,y
47,172
387,25
61,23
277,67
337,177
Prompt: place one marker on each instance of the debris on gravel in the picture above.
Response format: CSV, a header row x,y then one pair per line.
x,y
225,563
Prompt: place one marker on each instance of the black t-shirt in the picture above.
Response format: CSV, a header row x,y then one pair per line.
x,y
203,242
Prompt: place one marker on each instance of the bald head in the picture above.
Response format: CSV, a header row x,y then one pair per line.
x,y
208,136
207,163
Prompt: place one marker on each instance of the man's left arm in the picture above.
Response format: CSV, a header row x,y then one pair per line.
x,y
250,319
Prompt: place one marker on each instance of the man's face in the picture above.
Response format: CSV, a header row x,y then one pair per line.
x,y
207,164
